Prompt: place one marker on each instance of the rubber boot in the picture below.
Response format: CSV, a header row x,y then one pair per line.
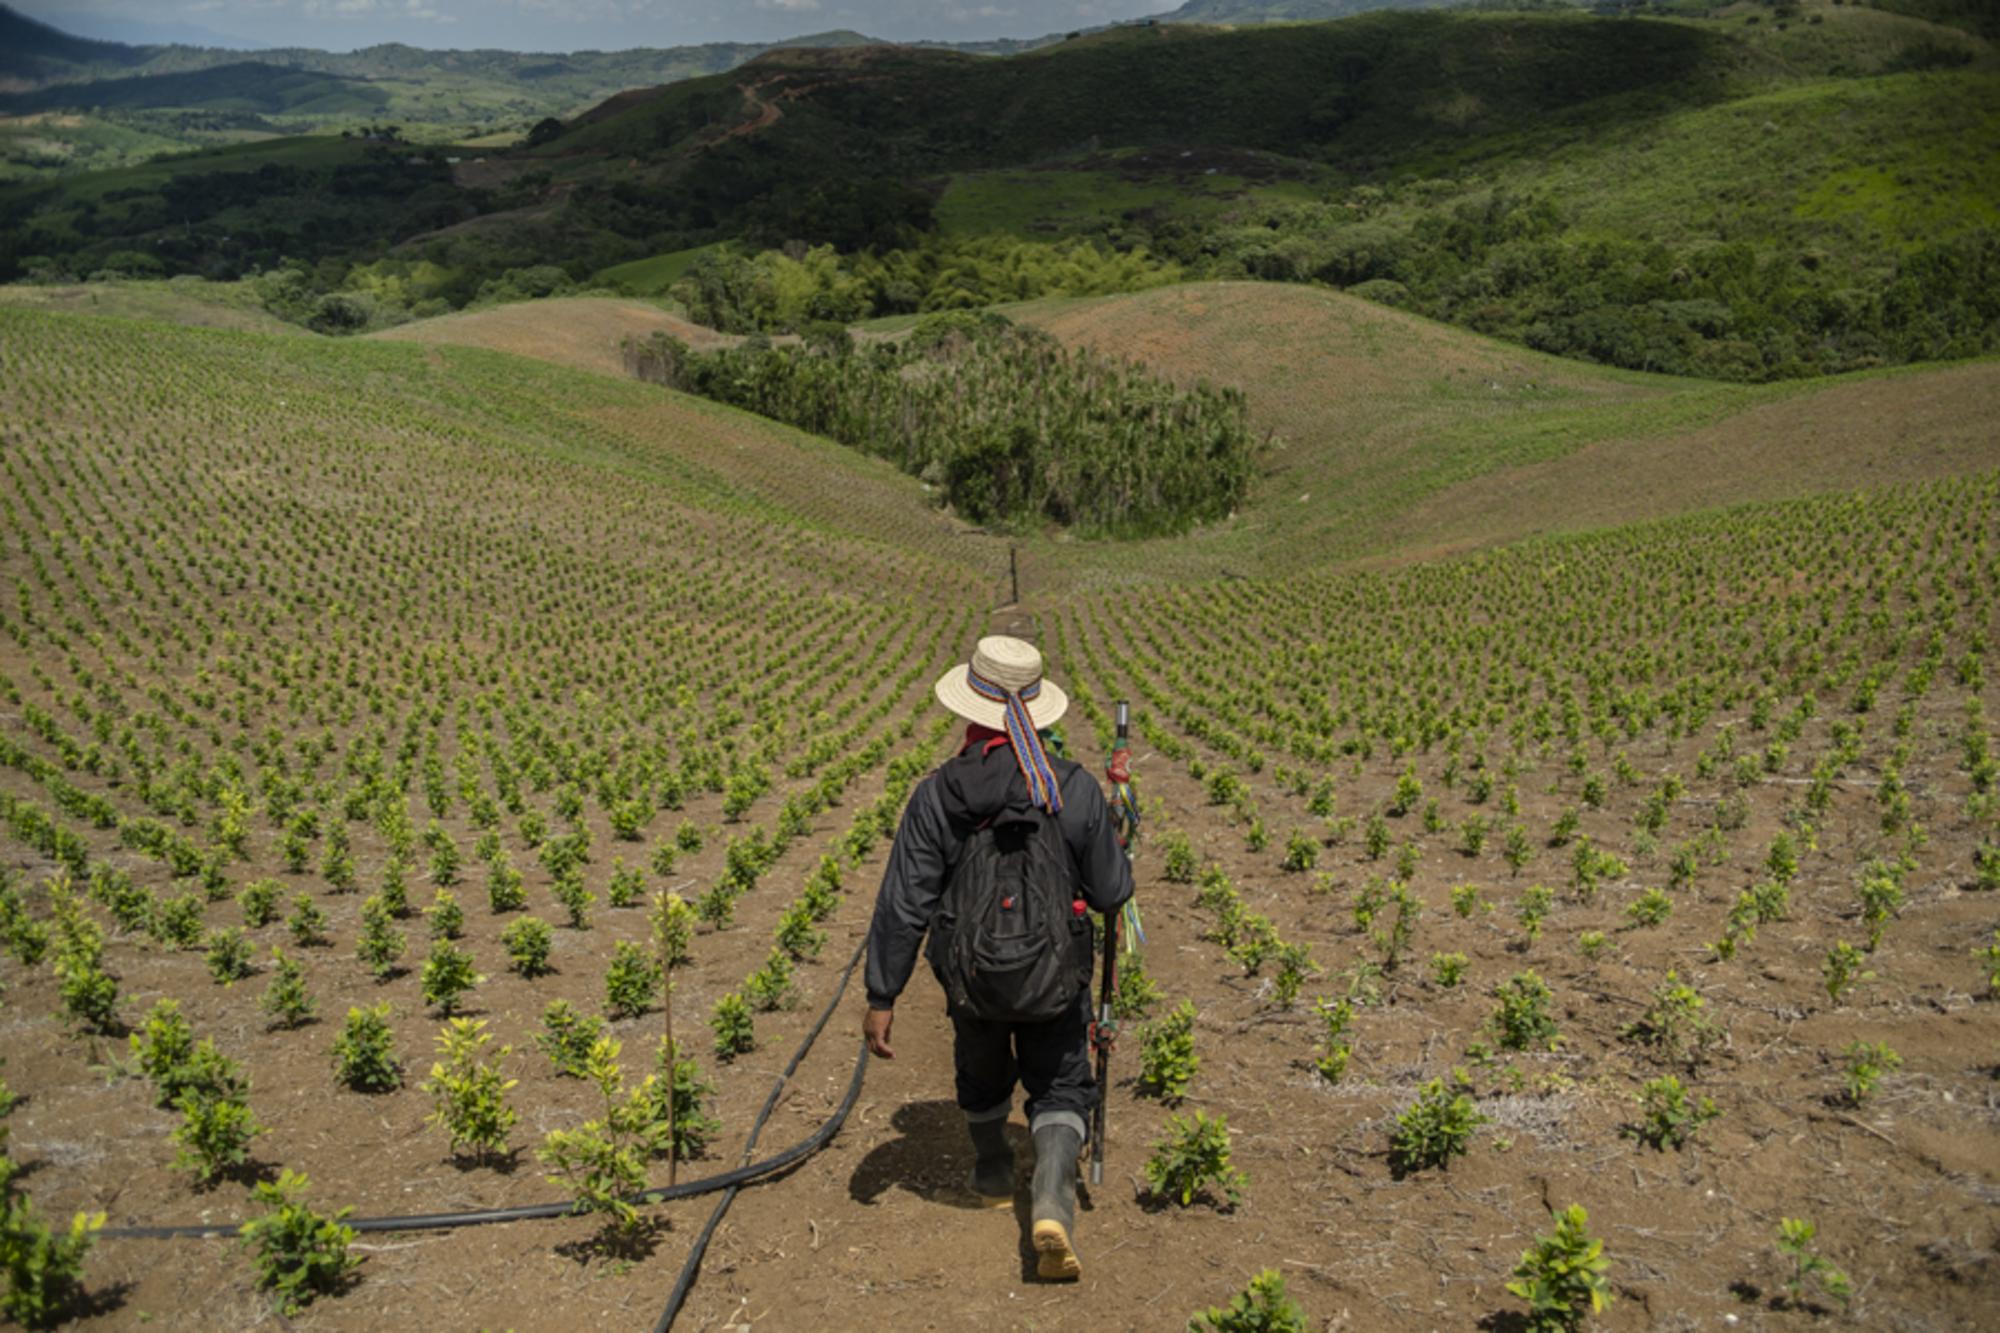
x,y
1056,1148
992,1177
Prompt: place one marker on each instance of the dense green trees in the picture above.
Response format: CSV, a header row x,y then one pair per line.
x,y
1009,425
784,291
1500,263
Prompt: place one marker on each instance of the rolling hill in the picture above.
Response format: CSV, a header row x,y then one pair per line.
x,y
247,87
623,170
1401,437
187,301
32,52
1292,11
1397,437
840,513
1700,196
931,110
582,333
124,103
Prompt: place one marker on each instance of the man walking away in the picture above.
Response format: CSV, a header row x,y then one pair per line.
x,y
1002,852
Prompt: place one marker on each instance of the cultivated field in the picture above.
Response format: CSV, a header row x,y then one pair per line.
x,y
302,634
1399,437
207,305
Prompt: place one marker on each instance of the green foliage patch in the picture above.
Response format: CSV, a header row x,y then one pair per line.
x,y
300,1254
1007,424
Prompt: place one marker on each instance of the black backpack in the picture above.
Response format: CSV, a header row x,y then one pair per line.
x,y
1007,944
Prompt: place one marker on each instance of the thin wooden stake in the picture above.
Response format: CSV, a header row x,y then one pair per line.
x,y
667,1006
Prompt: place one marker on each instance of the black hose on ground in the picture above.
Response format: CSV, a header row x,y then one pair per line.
x,y
693,1265
731,1181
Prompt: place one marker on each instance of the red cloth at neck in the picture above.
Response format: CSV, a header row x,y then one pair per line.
x,y
984,737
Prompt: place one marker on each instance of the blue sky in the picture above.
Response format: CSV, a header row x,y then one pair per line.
x,y
564,25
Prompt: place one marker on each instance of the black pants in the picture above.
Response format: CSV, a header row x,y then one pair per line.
x,y
1051,1060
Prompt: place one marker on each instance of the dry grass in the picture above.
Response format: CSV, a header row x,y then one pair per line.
x,y
580,332
1397,435
1852,433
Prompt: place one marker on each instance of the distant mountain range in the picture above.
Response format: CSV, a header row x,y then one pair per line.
x,y
33,52
1290,11
126,103
1591,186
35,56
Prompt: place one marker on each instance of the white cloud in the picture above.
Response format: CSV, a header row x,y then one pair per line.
x,y
344,9
976,13
789,6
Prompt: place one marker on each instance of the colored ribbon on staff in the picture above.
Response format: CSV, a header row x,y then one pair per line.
x,y
1125,810
1134,936
1024,740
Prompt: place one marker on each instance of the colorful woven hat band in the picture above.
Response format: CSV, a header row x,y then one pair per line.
x,y
1022,737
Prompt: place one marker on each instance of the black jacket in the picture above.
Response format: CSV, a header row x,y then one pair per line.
x,y
943,811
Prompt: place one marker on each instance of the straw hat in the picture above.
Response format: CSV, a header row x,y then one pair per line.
x,y
1011,664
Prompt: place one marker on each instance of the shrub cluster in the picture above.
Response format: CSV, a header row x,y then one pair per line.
x,y
1008,424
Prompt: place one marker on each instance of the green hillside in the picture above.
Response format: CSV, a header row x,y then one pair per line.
x,y
1690,244
1794,209
1705,196
1382,434
240,209
1889,162
1395,436
1675,243
122,104
246,86
1971,15
839,516
184,300
69,104
653,276
44,143
34,52
1365,82
1299,11
824,146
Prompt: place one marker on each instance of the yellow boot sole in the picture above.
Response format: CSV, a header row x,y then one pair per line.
x,y
1055,1260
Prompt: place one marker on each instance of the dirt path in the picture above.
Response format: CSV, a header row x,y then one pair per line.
x,y
768,112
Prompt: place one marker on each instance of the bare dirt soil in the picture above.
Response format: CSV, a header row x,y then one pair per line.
x,y
98,1140
877,1231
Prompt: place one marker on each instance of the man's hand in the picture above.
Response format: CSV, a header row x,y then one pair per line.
x,y
875,1028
